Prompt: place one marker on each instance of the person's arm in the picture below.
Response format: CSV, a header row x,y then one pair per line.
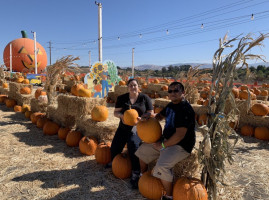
x,y
117,113
174,139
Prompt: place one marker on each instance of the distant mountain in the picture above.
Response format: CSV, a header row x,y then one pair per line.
x,y
202,65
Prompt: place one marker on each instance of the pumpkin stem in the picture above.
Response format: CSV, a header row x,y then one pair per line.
x,y
87,139
24,34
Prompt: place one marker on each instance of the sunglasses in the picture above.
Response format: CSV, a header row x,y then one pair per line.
x,y
173,91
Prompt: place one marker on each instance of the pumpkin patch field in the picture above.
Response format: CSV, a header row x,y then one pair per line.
x,y
38,166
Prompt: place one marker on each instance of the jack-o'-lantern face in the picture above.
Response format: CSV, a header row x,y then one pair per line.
x,y
23,56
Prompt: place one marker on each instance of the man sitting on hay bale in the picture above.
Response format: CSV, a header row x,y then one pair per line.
x,y
177,142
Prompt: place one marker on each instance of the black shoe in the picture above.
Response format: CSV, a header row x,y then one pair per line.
x,y
134,183
166,198
108,165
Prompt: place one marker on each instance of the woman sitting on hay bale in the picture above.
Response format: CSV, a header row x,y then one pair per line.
x,y
125,133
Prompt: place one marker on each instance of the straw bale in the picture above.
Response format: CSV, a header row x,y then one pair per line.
x,y
15,87
77,106
59,117
194,98
120,89
163,93
263,98
141,81
155,87
160,102
112,96
199,109
253,120
242,105
24,99
101,130
4,90
36,106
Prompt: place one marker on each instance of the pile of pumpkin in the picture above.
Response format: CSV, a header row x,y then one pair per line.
x,y
242,93
149,186
80,90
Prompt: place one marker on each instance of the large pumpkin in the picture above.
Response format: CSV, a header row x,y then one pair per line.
x,y
262,133
149,130
23,57
260,109
75,89
247,130
189,189
99,113
121,166
88,145
150,186
73,138
103,154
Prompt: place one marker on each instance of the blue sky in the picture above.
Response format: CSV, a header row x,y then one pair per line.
x,y
72,27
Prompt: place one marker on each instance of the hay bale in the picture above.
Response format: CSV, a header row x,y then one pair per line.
x,y
163,93
253,120
262,98
36,106
101,130
155,87
120,89
160,102
24,98
112,96
59,117
194,98
199,109
77,106
15,87
4,90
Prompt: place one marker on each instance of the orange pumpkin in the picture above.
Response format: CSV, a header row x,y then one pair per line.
x,y
88,145
62,133
260,109
156,81
73,138
202,119
99,113
144,85
264,93
165,88
261,133
235,92
244,87
122,83
257,92
75,89
26,81
5,85
50,128
17,108
247,130
23,55
25,90
41,121
38,92
150,187
149,130
82,92
121,166
35,116
130,117
25,108
189,189
3,98
103,154
28,114
10,103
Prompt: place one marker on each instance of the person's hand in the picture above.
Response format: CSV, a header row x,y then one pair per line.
x,y
145,116
157,146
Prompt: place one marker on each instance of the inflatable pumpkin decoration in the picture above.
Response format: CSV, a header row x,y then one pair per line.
x,y
23,56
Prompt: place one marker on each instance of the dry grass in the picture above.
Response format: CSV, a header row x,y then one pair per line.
x,y
34,166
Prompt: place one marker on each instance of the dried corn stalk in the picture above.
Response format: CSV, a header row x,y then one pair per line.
x,y
54,72
218,129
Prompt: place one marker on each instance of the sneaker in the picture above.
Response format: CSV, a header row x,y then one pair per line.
x,y
166,198
134,179
108,165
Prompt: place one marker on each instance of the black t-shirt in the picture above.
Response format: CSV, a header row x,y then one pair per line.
x,y
142,105
180,115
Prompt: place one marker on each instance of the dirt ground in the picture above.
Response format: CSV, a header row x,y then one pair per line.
x,y
35,166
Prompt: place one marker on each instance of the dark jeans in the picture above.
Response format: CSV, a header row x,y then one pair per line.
x,y
122,137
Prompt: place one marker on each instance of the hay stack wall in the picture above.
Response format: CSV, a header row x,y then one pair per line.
x,y
14,93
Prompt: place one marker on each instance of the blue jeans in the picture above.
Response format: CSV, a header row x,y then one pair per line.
x,y
104,86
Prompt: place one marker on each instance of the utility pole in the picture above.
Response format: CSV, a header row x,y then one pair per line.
x,y
90,59
50,50
10,58
133,62
100,39
35,51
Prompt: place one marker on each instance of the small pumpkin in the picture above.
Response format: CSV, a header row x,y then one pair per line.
x,y
38,92
25,90
122,83
41,121
25,108
260,109
73,138
99,113
130,117
28,114
26,81
103,154
35,116
50,128
150,187
244,87
75,89
88,145
149,130
62,133
247,130
165,88
189,189
17,108
82,92
3,98
235,92
156,81
264,93
5,85
121,166
261,133
10,103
